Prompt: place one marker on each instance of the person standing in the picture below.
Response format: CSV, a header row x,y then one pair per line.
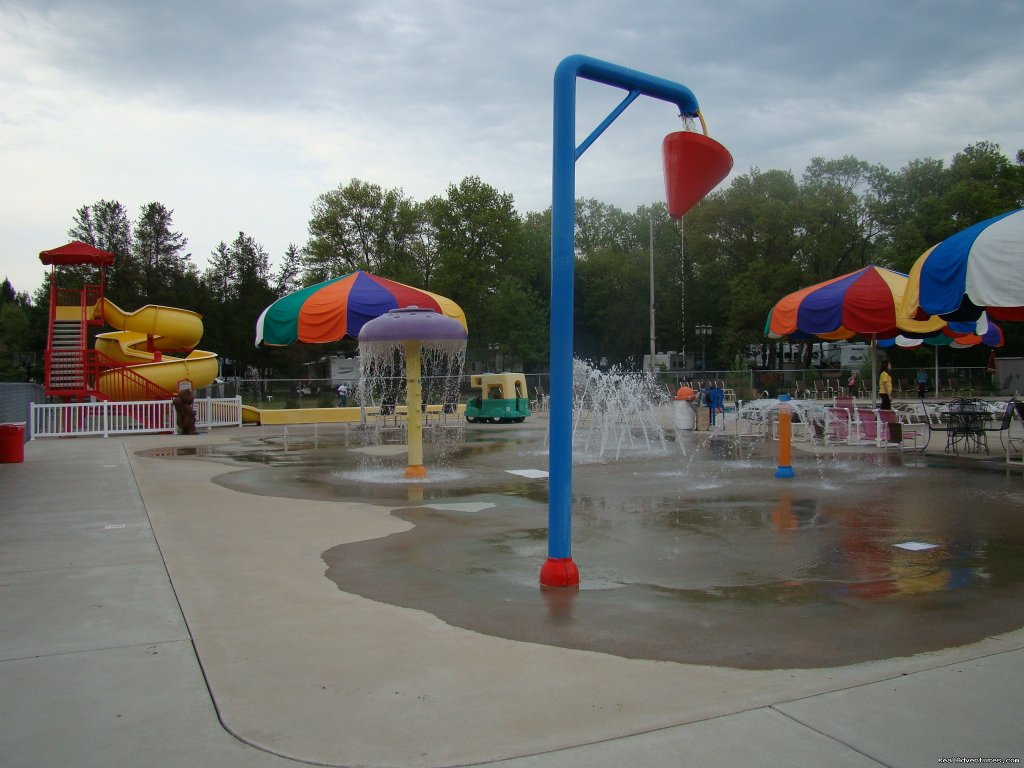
x,y
885,386
342,395
922,382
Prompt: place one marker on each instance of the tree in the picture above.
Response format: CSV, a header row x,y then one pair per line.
x,y
105,225
423,246
288,278
745,239
237,284
926,202
7,293
251,274
524,334
158,254
362,226
533,260
475,229
16,335
611,319
600,226
837,228
983,184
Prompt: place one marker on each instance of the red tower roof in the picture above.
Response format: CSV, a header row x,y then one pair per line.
x,y
77,252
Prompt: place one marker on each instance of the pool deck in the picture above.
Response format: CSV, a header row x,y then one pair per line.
x,y
152,617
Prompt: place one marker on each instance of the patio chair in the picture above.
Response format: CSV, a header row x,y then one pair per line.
x,y
1014,444
821,389
749,423
1003,425
902,386
868,426
801,428
837,427
895,432
817,428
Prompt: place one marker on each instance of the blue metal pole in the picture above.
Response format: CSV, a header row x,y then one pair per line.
x,y
559,569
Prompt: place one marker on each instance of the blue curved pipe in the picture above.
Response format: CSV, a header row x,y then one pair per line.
x,y
563,259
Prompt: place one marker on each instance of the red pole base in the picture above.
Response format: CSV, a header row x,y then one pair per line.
x,y
415,472
559,572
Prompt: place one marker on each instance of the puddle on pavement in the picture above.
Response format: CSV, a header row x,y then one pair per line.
x,y
700,558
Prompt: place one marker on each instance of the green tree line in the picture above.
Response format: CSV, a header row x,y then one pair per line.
x,y
734,255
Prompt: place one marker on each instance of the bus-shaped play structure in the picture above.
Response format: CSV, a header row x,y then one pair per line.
x,y
502,398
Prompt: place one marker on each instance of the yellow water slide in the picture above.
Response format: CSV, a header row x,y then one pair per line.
x,y
140,341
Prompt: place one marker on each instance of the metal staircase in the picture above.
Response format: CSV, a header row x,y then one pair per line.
x,y
66,372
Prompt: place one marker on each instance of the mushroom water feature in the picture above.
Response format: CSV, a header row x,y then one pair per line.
x,y
409,335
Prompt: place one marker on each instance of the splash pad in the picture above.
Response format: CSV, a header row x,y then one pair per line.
x,y
699,557
694,556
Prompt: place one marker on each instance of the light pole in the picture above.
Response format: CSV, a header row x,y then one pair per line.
x,y
653,366
704,332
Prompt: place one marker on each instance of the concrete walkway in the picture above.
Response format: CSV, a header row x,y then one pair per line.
x,y
152,617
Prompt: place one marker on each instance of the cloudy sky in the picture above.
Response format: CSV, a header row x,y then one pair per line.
x,y
236,114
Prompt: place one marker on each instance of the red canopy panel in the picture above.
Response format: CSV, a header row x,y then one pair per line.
x,y
77,252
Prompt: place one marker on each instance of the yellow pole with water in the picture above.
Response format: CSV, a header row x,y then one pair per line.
x,y
414,406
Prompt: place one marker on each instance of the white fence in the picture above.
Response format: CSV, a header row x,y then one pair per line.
x,y
218,412
142,417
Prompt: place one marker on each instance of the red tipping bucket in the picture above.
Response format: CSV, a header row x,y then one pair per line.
x,y
694,164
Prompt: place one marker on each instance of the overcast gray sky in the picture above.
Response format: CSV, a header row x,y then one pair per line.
x,y
238,113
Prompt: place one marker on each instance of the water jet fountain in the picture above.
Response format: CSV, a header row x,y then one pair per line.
x,y
403,338
615,411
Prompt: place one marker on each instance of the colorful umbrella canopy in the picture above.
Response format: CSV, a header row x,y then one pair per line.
x,y
979,269
337,308
992,337
861,303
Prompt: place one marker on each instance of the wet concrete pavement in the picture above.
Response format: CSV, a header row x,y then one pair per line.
x,y
153,616
702,557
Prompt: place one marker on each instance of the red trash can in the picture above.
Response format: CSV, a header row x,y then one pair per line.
x,y
12,443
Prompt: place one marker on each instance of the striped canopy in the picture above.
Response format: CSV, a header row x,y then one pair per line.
x,y
979,269
862,303
992,337
338,308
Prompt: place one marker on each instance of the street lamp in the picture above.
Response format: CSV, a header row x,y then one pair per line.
x,y
704,332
